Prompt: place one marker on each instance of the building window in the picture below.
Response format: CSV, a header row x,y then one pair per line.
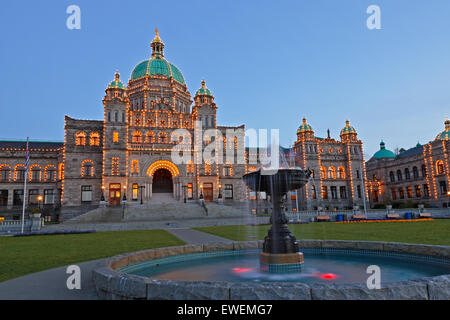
x,y
331,173
49,196
399,175
5,173
50,173
426,190
35,175
324,192
189,191
409,192
86,193
440,167
358,189
135,191
418,193
137,137
18,197
150,137
116,116
443,187
323,173
94,139
333,192
424,171
80,139
123,116
228,191
313,189
19,173
134,167
3,198
357,174
343,192
162,137
341,173
415,173
228,170
394,194
33,195
401,193
115,166
391,176
375,195
87,168
207,168
109,116
115,137
407,175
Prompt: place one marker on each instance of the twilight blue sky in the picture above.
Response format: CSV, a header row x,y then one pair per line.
x,y
268,63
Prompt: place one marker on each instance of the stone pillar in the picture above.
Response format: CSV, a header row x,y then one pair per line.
x,y
35,221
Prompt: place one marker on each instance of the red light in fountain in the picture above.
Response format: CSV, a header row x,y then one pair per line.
x,y
328,276
242,270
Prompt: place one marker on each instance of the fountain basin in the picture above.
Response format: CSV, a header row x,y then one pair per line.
x,y
112,283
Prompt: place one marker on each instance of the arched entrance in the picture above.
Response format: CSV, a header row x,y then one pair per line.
x,y
162,181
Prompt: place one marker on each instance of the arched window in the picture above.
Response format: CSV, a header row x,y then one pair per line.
x,y
190,167
424,171
399,175
50,173
150,137
228,170
87,168
341,172
94,139
415,173
5,171
137,137
440,167
19,172
331,173
115,137
80,138
35,173
392,176
134,167
162,137
323,172
407,175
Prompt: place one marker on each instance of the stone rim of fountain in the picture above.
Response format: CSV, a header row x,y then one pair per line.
x,y
111,284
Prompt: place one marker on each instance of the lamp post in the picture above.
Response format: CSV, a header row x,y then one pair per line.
x,y
103,194
184,193
140,191
39,199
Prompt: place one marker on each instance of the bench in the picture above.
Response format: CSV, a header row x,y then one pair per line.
x,y
393,216
323,218
425,215
359,217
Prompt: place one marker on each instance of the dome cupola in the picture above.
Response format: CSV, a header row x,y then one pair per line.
x,y
204,95
383,153
305,131
348,133
116,83
304,127
445,135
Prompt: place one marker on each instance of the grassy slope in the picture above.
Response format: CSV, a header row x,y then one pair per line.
x,y
24,255
433,232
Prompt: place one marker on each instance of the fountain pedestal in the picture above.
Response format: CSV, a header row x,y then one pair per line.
x,y
280,249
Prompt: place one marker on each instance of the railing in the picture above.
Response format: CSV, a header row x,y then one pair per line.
x,y
7,226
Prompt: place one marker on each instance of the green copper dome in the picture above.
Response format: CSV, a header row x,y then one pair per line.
x,y
157,66
304,126
116,83
203,91
348,128
383,152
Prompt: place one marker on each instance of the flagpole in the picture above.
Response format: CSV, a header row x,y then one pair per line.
x,y
25,185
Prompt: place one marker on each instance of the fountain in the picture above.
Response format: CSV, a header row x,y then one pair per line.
x,y
280,249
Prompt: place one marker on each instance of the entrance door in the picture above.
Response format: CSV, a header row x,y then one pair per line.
x,y
162,181
208,191
114,194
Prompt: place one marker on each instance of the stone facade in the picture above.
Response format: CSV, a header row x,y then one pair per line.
x,y
419,175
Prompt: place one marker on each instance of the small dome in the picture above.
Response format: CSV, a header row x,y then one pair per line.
x,y
116,83
348,128
445,135
203,91
383,152
304,127
157,66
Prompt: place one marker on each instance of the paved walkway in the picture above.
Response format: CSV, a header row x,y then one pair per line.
x,y
51,284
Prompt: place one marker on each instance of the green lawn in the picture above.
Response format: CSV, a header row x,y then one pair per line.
x,y
23,255
427,232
